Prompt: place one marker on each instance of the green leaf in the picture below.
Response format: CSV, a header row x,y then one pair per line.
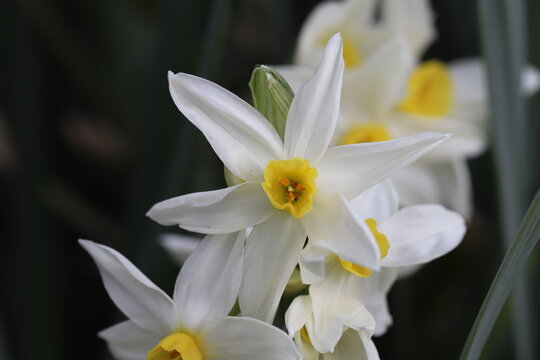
x,y
505,279
272,96
503,40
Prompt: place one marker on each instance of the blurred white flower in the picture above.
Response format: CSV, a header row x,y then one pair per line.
x,y
193,325
388,93
293,188
409,236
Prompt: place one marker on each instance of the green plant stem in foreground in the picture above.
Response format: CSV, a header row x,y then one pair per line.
x,y
505,279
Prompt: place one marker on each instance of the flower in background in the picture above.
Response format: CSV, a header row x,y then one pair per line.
x,y
407,237
388,92
293,188
193,325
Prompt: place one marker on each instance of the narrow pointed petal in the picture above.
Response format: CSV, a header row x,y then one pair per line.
x,y
421,233
377,202
298,314
246,339
314,109
127,341
178,246
242,138
132,292
469,138
272,251
215,212
351,169
332,225
208,283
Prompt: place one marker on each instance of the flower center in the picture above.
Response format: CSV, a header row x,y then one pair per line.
x,y
176,346
368,132
290,185
429,91
382,241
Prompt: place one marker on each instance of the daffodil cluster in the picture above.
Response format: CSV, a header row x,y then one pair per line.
x,y
324,200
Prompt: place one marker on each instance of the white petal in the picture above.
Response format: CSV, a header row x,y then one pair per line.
x,y
208,283
353,18
332,225
312,264
272,252
242,138
335,301
127,341
295,75
215,212
377,202
354,346
246,339
428,182
314,110
351,169
374,294
298,314
418,234
412,18
375,88
178,246
469,138
132,292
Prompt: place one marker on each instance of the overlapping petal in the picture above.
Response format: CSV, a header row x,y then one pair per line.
x,y
272,252
335,300
128,341
242,138
246,339
314,110
355,168
354,346
208,283
421,233
377,202
334,226
215,212
132,292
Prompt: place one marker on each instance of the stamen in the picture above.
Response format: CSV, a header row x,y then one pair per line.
x,y
300,187
174,354
284,181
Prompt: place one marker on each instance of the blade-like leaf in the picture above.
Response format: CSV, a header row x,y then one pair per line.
x,y
505,279
502,25
272,96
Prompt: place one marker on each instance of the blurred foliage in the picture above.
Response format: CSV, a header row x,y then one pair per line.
x,y
93,140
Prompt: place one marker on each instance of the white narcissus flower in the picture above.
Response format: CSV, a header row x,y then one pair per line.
x,y
387,94
409,236
193,325
353,338
293,188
